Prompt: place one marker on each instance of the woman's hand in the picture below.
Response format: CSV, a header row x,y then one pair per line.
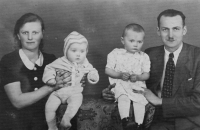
x,y
63,78
107,94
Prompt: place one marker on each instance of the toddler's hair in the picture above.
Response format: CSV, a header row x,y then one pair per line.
x,y
133,26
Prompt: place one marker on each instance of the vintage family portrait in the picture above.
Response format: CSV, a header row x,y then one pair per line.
x,y
100,65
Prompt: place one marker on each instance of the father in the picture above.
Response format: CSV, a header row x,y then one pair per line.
x,y
174,83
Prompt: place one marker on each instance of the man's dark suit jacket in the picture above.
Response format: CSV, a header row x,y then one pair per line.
x,y
184,105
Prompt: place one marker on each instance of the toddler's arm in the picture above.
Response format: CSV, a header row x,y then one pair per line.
x,y
143,77
117,75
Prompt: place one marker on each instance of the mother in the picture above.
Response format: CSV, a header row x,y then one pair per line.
x,y
22,92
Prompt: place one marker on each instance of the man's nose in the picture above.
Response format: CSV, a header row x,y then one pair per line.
x,y
170,34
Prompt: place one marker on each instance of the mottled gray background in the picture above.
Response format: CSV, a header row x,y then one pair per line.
x,y
100,21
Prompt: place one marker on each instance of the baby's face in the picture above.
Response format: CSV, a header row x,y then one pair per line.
x,y
133,41
77,52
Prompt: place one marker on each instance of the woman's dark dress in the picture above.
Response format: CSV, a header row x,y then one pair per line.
x,y
13,70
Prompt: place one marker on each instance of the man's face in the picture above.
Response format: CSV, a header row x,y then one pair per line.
x,y
171,32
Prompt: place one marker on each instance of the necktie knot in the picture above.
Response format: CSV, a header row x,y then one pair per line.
x,y
171,55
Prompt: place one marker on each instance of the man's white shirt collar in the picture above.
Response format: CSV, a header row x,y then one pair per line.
x,y
30,65
176,54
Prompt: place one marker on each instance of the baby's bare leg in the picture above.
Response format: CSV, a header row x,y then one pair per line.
x,y
74,103
50,111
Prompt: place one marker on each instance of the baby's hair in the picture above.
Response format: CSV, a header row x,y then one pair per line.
x,y
134,27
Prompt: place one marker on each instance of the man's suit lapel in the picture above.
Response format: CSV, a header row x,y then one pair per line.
x,y
160,62
182,67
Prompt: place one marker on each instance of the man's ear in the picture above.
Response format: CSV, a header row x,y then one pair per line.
x,y
184,30
122,40
158,31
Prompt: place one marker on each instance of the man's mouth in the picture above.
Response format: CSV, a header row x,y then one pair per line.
x,y
171,40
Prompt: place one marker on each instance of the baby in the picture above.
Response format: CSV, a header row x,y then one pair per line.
x,y
75,61
129,67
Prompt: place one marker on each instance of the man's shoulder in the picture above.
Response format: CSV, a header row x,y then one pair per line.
x,y
194,50
190,46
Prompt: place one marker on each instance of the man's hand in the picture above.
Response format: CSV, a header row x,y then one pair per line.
x,y
107,94
151,97
83,80
125,76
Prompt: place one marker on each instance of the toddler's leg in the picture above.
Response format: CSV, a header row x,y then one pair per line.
x,y
124,106
50,111
74,102
139,112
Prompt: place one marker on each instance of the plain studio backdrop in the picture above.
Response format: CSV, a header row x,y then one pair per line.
x,y
100,21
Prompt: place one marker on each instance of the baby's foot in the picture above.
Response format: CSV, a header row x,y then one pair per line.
x,y
65,123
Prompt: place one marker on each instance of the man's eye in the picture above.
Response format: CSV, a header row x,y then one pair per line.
x,y
176,29
35,32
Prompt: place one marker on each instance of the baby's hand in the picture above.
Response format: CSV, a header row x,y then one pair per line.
x,y
133,78
93,77
51,82
125,76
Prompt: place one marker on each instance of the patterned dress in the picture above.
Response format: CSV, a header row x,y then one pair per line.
x,y
122,61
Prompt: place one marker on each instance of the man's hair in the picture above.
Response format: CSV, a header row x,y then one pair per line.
x,y
171,13
134,27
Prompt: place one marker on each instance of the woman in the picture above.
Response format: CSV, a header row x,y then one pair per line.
x,y
23,94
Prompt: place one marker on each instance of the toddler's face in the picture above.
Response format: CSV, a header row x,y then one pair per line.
x,y
77,52
133,41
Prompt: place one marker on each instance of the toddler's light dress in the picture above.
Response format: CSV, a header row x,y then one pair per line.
x,y
122,61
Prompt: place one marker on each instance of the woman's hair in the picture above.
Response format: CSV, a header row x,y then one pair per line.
x,y
26,18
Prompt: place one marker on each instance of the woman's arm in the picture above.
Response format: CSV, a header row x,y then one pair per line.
x,y
20,100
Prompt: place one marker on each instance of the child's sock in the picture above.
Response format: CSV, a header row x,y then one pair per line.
x,y
139,112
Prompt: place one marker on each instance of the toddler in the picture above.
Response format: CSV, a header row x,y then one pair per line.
x,y
75,61
129,67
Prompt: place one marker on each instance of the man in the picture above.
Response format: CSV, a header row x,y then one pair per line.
x,y
174,89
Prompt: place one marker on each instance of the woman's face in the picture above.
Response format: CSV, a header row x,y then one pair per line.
x,y
30,35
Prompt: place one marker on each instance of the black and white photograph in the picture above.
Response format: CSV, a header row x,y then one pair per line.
x,y
100,65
